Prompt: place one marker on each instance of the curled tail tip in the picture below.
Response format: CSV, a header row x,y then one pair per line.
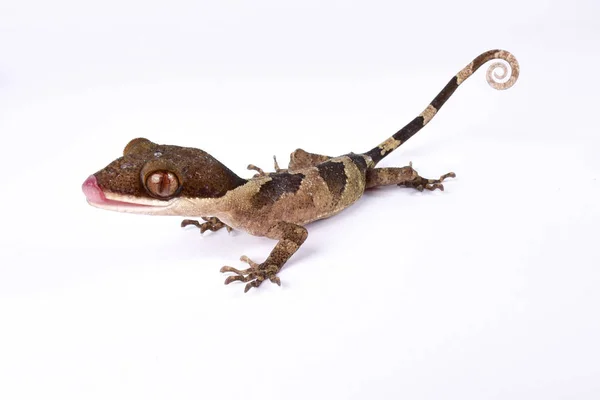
x,y
495,79
497,72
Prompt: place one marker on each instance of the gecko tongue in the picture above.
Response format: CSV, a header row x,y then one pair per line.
x,y
92,191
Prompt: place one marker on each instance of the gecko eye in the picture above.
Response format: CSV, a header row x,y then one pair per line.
x,y
162,184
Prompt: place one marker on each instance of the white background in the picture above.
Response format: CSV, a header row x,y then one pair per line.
x,y
489,290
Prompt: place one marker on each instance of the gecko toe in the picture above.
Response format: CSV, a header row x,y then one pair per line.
x,y
254,276
248,261
275,279
234,270
211,224
419,183
254,284
236,278
448,175
434,186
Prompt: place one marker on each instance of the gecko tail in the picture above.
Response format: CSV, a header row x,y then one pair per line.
x,y
494,78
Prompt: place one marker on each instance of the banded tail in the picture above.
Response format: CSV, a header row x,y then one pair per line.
x,y
414,126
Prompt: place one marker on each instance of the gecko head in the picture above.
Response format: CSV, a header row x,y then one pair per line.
x,y
158,179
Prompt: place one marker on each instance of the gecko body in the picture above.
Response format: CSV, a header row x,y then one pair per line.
x,y
171,180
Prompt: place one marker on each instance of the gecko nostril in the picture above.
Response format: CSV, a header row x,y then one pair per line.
x,y
91,190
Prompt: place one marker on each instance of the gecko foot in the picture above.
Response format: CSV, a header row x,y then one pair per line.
x,y
421,183
211,224
255,275
261,172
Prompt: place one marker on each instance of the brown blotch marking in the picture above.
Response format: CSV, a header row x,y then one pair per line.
x,y
314,199
334,175
280,184
359,161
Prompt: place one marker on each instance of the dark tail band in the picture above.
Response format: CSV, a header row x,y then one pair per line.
x,y
493,78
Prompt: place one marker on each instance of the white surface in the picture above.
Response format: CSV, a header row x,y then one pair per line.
x,y
486,291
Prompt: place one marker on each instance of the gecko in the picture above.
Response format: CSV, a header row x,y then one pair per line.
x,y
182,181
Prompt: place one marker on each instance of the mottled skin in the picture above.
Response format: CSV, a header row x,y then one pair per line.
x,y
172,180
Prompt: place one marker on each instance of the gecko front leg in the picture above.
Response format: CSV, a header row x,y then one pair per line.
x,y
290,237
211,224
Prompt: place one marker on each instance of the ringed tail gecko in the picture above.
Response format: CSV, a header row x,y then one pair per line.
x,y
182,181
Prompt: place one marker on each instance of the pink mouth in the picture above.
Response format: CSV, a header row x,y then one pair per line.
x,y
96,196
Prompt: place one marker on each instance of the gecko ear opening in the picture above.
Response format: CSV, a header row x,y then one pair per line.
x,y
138,145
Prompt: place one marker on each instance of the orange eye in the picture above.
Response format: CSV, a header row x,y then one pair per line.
x,y
162,184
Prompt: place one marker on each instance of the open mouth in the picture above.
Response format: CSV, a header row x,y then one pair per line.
x,y
101,199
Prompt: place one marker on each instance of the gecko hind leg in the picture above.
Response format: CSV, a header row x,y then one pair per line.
x,y
211,224
405,176
299,159
261,172
303,159
290,237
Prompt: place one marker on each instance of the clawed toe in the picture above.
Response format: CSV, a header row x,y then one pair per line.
x,y
448,175
235,270
434,186
275,279
260,171
235,278
211,224
422,184
437,183
255,275
248,261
